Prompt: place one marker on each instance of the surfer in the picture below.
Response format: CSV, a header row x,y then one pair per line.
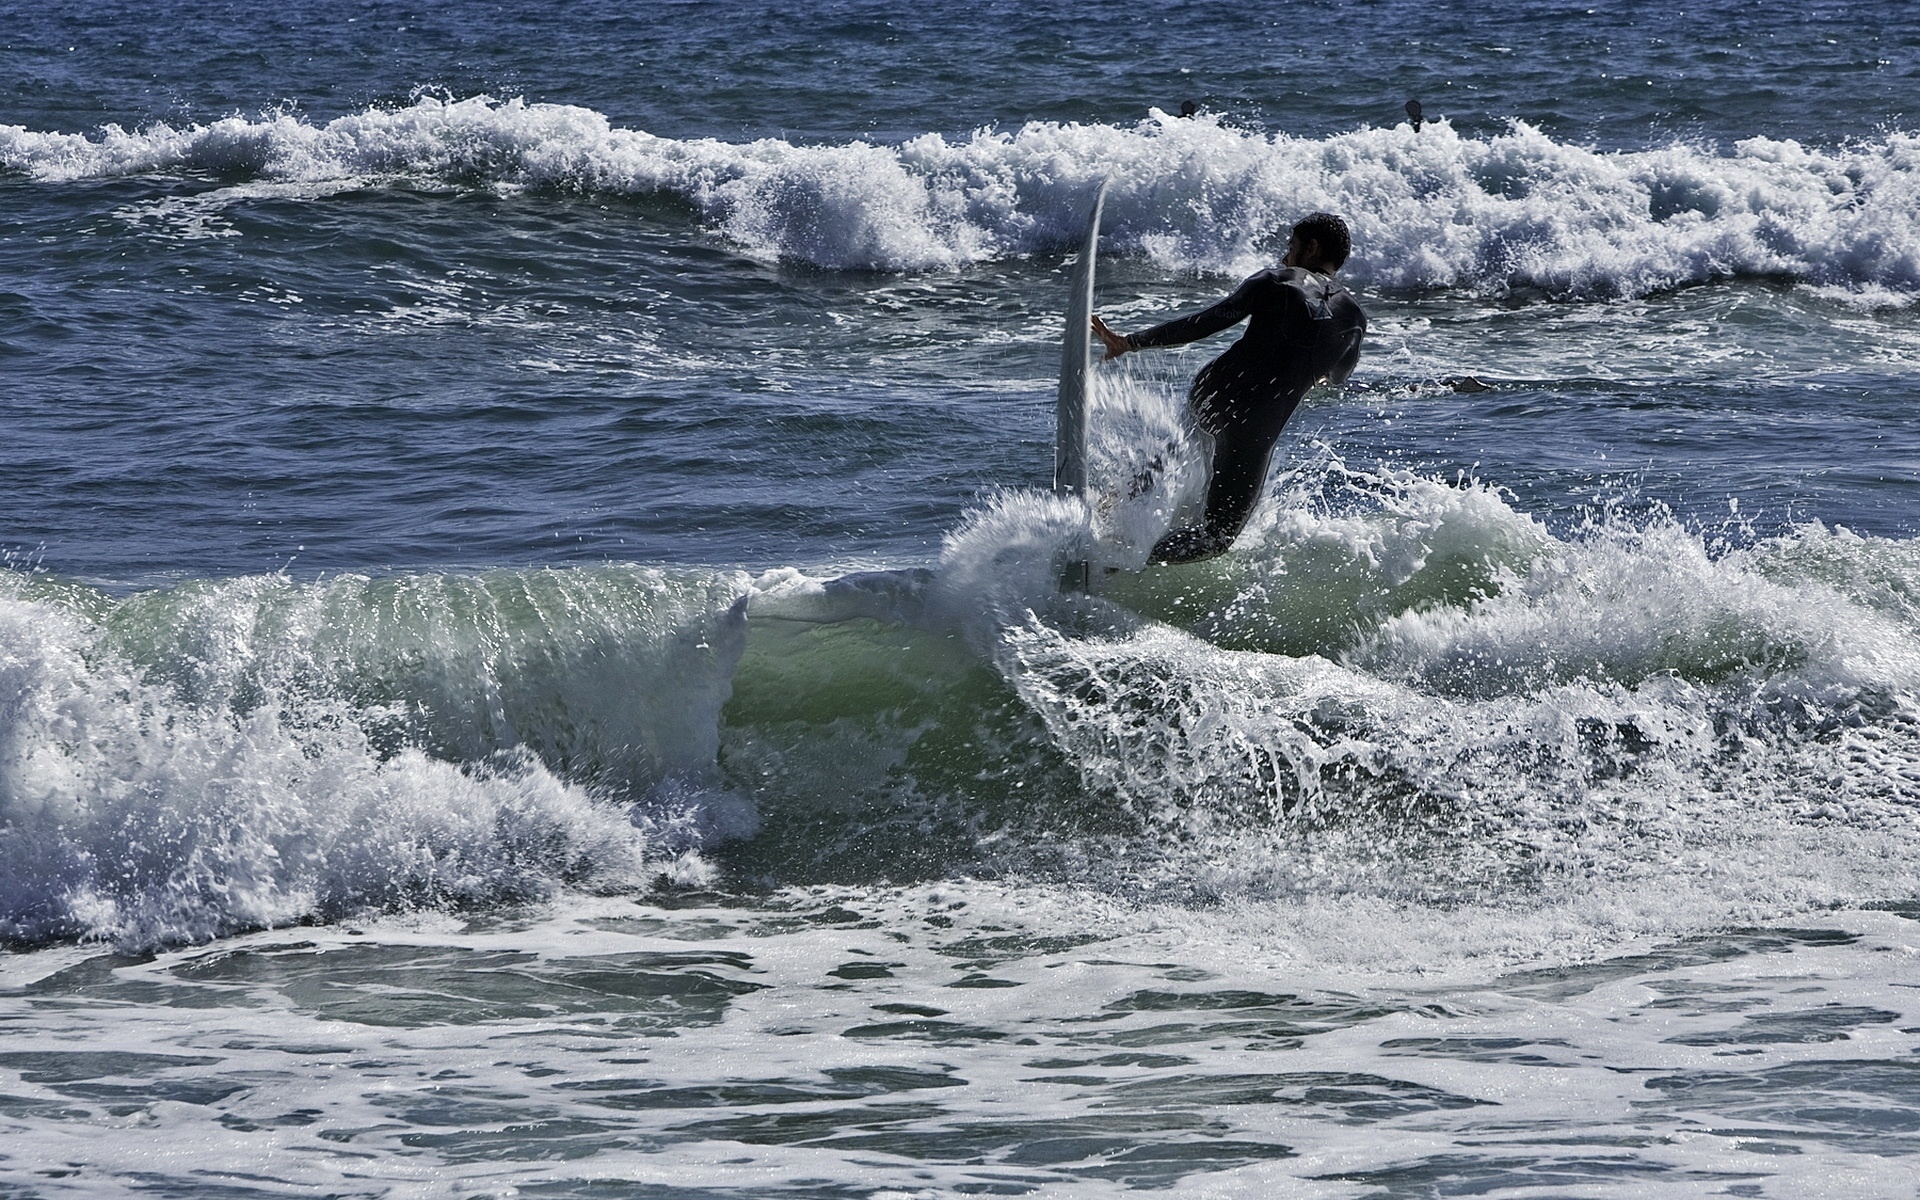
x,y
1304,328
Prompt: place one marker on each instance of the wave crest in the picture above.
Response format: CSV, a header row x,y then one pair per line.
x,y
1431,209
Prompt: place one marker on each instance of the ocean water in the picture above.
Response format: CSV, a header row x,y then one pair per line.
x,y
532,660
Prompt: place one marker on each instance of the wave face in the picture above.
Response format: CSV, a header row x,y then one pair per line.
x,y
1395,687
1435,208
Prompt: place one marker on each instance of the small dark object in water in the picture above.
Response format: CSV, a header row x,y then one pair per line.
x,y
1188,108
1414,114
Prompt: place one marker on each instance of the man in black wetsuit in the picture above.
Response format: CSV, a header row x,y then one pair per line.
x,y
1304,328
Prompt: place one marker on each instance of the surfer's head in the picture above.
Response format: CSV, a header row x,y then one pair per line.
x,y
1320,242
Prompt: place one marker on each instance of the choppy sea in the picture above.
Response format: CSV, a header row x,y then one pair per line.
x,y
532,661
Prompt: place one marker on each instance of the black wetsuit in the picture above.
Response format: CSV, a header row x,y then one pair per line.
x,y
1304,327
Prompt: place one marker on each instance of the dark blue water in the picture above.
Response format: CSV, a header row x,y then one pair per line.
x,y
1618,76
469,357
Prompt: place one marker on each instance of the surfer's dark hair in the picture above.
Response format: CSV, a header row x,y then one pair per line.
x,y
1330,231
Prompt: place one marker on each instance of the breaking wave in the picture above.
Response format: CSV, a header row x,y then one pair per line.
x,y
1431,209
1395,686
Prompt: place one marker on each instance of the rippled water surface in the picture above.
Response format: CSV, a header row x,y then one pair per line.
x,y
836,1043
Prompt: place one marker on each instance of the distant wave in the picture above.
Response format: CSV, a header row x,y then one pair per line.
x,y
1432,209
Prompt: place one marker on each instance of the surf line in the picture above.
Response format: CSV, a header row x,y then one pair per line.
x,y
1070,408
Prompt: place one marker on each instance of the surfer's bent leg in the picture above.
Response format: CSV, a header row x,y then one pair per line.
x,y
1239,469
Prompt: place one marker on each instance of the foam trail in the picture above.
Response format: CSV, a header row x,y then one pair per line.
x,y
1516,210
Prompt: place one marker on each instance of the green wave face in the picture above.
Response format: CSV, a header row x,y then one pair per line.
x,y
1426,695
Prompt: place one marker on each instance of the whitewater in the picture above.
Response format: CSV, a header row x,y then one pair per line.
x,y
1514,210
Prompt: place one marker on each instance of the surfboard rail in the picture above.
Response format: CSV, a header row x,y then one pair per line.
x,y
1075,398
1070,432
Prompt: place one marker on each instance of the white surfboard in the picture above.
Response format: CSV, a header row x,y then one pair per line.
x,y
1070,432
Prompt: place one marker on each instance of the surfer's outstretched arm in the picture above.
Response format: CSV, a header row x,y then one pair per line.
x,y
1181,330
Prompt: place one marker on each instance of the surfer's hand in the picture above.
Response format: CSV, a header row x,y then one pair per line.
x,y
1115,343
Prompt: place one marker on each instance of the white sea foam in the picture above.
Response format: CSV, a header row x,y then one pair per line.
x,y
1411,689
1006,559
1431,208
1493,711
254,752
